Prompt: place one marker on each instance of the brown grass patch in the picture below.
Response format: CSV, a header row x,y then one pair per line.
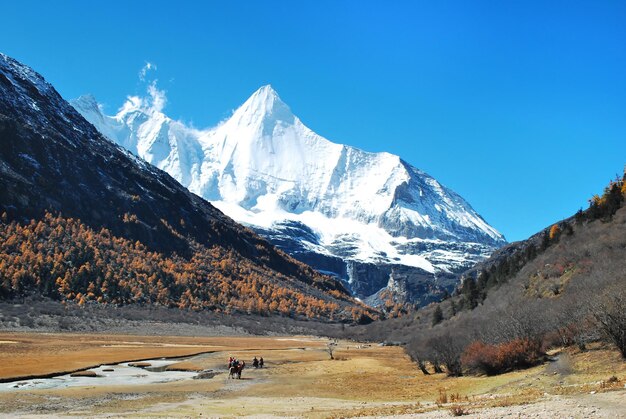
x,y
299,379
139,364
87,373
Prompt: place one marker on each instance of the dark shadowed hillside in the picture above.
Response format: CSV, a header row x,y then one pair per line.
x,y
84,220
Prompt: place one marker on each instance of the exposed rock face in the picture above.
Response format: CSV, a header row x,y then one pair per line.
x,y
317,200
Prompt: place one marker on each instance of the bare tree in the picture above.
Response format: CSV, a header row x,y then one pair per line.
x,y
330,348
437,365
448,350
569,322
422,366
420,359
520,320
610,316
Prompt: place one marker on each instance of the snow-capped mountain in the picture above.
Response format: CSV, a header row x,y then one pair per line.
x,y
54,163
336,207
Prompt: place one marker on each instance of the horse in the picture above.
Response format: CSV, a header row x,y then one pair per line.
x,y
236,370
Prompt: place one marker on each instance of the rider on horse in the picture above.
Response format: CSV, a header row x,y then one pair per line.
x,y
235,368
233,362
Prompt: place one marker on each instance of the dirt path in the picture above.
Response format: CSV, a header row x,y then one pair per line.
x,y
605,405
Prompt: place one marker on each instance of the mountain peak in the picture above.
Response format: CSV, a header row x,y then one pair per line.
x,y
86,102
265,107
335,206
267,89
265,94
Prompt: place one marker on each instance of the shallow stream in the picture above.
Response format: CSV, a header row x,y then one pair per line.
x,y
108,375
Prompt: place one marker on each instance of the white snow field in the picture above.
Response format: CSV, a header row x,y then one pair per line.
x,y
263,167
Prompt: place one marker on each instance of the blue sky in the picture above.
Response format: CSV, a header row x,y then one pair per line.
x,y
520,107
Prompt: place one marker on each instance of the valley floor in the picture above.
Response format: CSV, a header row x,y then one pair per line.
x,y
299,380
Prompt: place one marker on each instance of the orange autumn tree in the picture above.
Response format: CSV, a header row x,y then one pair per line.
x,y
554,231
66,260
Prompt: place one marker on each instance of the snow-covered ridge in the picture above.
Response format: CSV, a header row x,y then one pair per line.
x,y
263,166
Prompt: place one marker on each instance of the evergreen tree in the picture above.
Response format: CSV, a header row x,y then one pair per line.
x,y
471,293
437,315
545,241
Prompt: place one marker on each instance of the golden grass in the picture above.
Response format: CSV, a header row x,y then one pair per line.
x,y
29,354
299,378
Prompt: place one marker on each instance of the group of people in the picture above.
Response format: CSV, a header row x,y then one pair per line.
x,y
234,362
257,363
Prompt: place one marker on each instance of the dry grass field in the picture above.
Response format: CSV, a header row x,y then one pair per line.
x,y
299,381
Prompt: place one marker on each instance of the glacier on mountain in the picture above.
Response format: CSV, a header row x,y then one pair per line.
x,y
264,168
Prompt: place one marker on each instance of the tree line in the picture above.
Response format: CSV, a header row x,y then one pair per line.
x,y
63,259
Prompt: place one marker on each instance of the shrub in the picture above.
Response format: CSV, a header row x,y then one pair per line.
x,y
488,359
521,353
458,411
442,398
612,382
480,357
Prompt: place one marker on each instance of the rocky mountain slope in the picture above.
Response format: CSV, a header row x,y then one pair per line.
x,y
371,219
53,161
565,285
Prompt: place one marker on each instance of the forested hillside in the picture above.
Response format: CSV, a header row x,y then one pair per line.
x,y
85,221
565,285
64,259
